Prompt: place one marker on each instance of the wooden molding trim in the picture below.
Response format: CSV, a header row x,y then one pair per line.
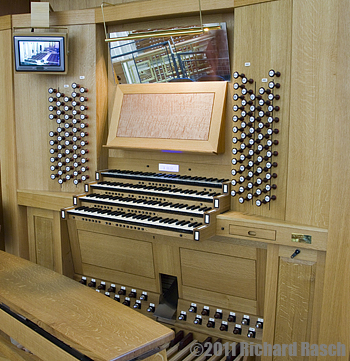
x,y
5,22
160,8
60,18
53,201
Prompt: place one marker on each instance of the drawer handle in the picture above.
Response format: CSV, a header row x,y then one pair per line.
x,y
252,233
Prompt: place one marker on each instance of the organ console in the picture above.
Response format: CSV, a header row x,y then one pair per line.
x,y
243,234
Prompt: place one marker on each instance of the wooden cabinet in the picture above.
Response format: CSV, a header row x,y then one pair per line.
x,y
293,297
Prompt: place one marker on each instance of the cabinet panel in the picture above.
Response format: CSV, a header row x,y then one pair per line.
x,y
43,241
117,253
48,240
218,273
295,295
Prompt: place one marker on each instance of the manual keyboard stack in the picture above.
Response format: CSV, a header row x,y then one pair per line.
x,y
171,204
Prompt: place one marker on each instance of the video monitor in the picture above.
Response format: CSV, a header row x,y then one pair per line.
x,y
41,53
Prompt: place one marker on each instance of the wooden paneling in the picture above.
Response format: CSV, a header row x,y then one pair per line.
x,y
31,104
158,8
61,5
335,310
5,22
294,303
245,226
293,297
44,236
270,295
231,275
123,278
10,352
47,200
14,217
220,300
117,253
311,139
263,39
42,347
261,260
102,57
62,18
43,241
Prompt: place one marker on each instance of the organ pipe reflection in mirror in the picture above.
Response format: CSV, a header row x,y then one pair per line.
x,y
255,138
69,136
201,57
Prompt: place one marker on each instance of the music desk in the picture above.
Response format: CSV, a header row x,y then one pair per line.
x,y
87,321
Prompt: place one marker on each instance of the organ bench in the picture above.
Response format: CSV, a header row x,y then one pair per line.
x,y
57,318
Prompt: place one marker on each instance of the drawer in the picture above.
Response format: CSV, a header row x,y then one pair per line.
x,y
252,232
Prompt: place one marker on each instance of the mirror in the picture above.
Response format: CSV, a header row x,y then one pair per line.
x,y
202,57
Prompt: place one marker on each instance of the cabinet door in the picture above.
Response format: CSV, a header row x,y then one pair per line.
x,y
48,241
293,298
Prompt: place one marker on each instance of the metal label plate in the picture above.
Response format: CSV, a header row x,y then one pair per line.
x,y
301,238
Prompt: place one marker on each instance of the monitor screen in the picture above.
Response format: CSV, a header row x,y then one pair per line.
x,y
44,53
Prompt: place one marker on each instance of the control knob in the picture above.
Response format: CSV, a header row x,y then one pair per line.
x,y
112,288
126,301
92,283
151,308
211,324
205,312
102,286
223,327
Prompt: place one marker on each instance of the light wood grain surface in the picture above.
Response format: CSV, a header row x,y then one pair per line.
x,y
62,5
246,226
5,22
183,117
32,112
10,352
262,39
166,116
76,314
337,285
47,200
311,141
239,278
14,217
61,18
294,303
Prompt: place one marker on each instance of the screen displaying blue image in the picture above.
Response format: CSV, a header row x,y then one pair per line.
x,y
39,53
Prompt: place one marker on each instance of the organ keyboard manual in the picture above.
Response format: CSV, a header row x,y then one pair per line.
x,y
175,205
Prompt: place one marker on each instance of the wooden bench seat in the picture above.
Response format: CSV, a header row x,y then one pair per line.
x,y
84,319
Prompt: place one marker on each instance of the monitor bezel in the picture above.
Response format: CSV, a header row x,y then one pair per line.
x,y
60,37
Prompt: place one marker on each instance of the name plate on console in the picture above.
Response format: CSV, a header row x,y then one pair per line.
x,y
301,238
